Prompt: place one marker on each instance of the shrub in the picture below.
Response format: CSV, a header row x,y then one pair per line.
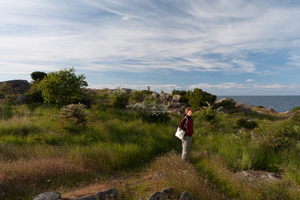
x,y
74,117
38,76
295,109
137,96
34,94
209,114
151,111
146,92
260,106
198,98
245,123
62,87
120,98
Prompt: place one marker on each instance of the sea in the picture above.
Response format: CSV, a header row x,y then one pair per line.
x,y
278,103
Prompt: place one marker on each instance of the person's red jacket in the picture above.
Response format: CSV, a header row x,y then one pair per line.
x,y
189,131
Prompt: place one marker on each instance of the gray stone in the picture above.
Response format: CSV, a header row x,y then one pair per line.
x,y
165,194
21,99
164,97
111,194
222,110
49,196
17,84
175,104
185,196
127,90
158,175
148,88
155,95
176,98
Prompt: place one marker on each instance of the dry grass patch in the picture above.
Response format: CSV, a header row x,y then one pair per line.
x,y
34,176
179,175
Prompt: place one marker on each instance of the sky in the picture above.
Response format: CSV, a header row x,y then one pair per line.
x,y
224,47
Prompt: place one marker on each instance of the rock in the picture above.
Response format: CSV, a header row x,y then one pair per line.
x,y
164,97
185,196
148,88
244,109
270,110
127,90
22,85
176,98
222,110
158,175
286,112
165,194
111,194
232,102
21,99
155,95
49,196
176,104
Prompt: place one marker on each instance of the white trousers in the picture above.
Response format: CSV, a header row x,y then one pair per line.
x,y
186,147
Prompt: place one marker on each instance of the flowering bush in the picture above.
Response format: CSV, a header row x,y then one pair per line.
x,y
151,111
120,98
74,116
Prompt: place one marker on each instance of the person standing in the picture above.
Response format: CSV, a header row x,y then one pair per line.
x,y
187,124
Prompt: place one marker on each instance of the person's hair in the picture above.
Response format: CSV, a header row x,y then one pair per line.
x,y
188,109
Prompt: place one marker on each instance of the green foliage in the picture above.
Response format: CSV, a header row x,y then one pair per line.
x,y
38,76
146,92
209,114
74,117
295,109
260,106
183,95
62,87
198,98
137,96
7,93
246,123
34,94
120,98
151,111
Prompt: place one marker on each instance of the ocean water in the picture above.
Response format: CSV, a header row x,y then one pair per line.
x,y
278,103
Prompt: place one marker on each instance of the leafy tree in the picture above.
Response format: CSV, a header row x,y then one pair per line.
x,y
183,95
62,87
38,76
120,98
198,98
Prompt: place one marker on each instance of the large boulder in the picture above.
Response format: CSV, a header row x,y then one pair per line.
x,y
166,193
21,85
164,97
127,90
176,98
155,95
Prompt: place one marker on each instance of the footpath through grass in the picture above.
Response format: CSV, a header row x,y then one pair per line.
x,y
38,155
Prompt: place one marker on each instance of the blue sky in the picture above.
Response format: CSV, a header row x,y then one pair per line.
x,y
224,47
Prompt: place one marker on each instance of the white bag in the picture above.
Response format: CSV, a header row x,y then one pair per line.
x,y
180,133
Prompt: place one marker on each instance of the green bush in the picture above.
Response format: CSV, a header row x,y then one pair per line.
x,y
245,123
295,109
74,117
209,114
38,76
62,87
198,98
260,106
34,94
151,111
120,98
146,92
137,96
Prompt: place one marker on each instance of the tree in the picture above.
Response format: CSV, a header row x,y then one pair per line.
x,y
198,98
62,87
38,76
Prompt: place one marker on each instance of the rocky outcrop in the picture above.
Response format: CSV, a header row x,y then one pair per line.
x,y
164,97
49,196
166,193
155,95
19,85
252,175
127,90
21,99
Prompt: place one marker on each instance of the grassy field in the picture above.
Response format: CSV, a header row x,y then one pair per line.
x,y
117,149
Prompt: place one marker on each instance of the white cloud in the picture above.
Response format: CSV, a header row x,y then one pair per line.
x,y
250,80
125,18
